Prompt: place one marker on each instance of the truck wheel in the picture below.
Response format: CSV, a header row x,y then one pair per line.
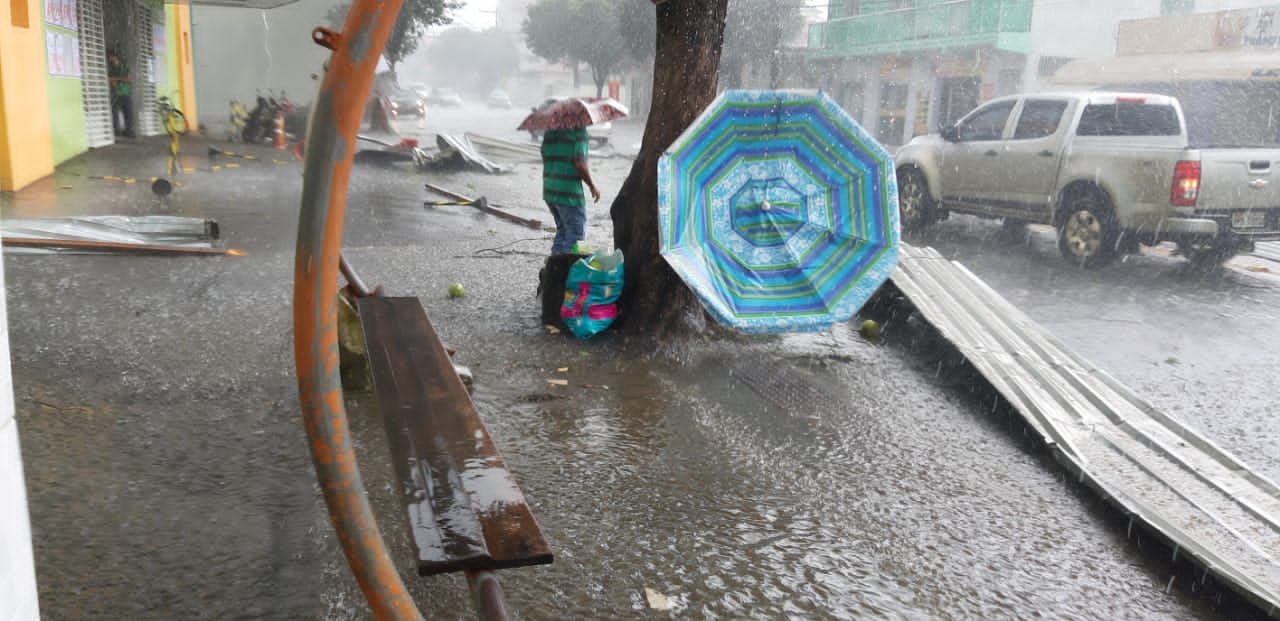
x,y
1087,233
915,206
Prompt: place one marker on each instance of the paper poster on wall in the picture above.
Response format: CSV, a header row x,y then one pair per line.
x,y
75,57
64,54
48,11
158,43
55,53
51,46
151,70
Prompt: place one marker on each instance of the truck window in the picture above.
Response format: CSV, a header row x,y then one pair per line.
x,y
1039,118
987,123
1128,119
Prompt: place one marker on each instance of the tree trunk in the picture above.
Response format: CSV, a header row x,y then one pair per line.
x,y
599,78
655,301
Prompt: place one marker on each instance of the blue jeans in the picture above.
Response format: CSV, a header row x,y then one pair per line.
x,y
571,226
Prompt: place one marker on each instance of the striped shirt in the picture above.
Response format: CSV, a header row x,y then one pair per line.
x,y
561,183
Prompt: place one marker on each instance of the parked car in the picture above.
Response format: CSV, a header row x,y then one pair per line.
x,y
1110,171
405,102
597,134
445,97
499,99
417,87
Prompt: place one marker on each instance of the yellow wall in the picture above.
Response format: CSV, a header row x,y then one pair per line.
x,y
26,153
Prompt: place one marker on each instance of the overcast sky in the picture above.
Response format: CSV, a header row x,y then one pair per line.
x,y
475,14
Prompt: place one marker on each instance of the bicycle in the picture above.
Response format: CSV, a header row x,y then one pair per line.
x,y
175,122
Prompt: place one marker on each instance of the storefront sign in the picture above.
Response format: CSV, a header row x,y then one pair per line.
x,y
1261,29
1254,28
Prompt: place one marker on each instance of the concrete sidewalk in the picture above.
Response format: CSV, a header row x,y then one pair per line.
x,y
169,476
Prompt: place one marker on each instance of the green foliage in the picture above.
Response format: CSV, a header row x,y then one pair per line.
x,y
415,17
588,31
473,61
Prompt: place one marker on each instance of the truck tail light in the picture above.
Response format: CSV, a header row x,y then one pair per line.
x,y
1186,184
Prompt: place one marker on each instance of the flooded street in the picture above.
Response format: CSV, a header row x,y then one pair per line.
x,y
764,478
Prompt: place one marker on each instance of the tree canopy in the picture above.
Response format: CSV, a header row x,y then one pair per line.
x,y
588,31
639,23
755,30
415,17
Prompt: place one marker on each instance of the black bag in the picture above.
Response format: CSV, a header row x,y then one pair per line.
x,y
551,279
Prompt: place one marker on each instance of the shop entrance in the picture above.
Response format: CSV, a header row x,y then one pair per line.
x,y
126,29
956,97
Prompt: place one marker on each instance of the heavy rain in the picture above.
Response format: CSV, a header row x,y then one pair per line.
x,y
605,309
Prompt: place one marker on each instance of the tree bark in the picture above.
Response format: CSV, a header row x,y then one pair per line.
x,y
654,300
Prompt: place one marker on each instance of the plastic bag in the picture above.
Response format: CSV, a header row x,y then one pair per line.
x,y
591,294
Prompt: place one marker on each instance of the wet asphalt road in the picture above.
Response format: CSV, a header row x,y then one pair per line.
x,y
819,477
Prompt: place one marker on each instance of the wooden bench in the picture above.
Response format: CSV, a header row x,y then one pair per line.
x,y
465,510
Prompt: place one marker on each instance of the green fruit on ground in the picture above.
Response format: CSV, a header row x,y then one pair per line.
x,y
870,329
456,291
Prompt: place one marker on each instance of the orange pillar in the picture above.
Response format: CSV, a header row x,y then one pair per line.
x,y
26,151
186,73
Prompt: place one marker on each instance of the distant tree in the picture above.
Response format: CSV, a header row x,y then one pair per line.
x,y
476,61
754,34
689,35
587,31
416,16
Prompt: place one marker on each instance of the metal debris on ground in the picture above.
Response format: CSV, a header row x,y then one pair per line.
x,y
484,205
505,149
1151,466
457,151
95,234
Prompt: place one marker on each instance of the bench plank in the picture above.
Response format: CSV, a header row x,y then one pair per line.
x,y
465,509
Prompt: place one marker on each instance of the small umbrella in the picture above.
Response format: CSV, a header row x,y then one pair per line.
x,y
778,211
573,112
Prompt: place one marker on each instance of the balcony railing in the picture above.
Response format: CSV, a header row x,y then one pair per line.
x,y
940,25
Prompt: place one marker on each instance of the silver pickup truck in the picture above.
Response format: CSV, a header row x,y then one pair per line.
x,y
1109,171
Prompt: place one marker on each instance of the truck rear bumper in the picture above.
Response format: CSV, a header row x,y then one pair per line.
x,y
1212,228
1198,227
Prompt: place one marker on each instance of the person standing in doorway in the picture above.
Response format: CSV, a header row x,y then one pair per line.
x,y
564,170
121,94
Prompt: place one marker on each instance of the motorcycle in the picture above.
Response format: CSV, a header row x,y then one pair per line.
x,y
261,120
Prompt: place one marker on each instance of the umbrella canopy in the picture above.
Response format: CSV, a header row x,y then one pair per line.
x,y
778,211
573,112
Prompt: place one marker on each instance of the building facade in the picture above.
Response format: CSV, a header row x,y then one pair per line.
x,y
905,67
273,54
54,97
1221,61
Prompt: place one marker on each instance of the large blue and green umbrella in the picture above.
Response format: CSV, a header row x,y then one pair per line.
x,y
779,211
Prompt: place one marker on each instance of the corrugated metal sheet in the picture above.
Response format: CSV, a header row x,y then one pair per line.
x,y
1269,251
1205,502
